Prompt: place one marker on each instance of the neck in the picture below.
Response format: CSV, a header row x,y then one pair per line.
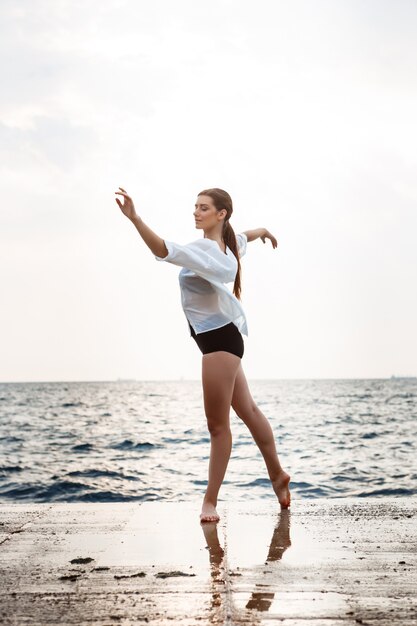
x,y
214,233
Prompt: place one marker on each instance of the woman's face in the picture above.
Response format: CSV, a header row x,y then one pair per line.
x,y
205,213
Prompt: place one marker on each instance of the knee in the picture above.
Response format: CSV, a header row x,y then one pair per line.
x,y
218,427
248,412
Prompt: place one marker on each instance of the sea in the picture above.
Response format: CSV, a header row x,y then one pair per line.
x,y
127,440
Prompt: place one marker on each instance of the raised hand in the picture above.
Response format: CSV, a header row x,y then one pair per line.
x,y
128,208
268,235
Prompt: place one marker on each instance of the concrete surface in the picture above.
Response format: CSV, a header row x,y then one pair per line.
x,y
323,562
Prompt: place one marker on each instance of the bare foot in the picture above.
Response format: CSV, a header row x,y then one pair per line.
x,y
280,485
209,513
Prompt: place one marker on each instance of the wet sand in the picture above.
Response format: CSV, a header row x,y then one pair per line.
x,y
322,562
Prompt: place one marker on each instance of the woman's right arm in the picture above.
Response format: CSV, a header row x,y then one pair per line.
x,y
152,240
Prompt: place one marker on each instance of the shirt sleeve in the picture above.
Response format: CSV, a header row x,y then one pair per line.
x,y
208,263
242,242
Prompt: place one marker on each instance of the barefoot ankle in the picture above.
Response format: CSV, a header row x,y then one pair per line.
x,y
281,474
210,501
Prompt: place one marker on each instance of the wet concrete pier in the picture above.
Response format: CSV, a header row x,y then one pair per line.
x,y
322,562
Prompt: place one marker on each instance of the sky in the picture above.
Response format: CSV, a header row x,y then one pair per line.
x,y
303,111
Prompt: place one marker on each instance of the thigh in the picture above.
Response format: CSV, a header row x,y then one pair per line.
x,y
242,402
218,376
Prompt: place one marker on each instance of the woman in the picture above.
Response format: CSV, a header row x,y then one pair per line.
x,y
216,321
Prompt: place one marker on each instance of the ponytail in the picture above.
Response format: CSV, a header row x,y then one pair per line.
x,y
229,239
222,200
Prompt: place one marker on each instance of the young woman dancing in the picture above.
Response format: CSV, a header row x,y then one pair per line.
x,y
216,321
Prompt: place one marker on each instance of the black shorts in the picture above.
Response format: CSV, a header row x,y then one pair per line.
x,y
227,338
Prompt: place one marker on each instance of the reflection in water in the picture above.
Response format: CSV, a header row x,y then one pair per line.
x,y
216,555
259,600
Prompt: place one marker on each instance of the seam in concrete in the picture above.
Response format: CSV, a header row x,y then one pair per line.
x,y
22,528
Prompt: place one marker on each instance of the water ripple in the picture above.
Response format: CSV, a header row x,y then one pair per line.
x,y
138,441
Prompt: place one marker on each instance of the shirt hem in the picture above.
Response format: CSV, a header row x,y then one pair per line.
x,y
216,328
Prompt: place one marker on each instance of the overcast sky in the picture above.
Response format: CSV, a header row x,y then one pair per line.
x,y
305,112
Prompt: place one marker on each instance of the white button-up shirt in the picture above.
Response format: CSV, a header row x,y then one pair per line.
x,y
206,300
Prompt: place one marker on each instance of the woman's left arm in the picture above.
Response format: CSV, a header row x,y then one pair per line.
x,y
263,233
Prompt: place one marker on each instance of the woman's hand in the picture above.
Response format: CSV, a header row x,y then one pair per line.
x,y
128,208
267,235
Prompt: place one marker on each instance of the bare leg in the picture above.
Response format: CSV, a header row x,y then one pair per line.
x,y
218,377
260,428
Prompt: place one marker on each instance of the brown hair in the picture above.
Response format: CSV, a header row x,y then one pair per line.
x,y
222,200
